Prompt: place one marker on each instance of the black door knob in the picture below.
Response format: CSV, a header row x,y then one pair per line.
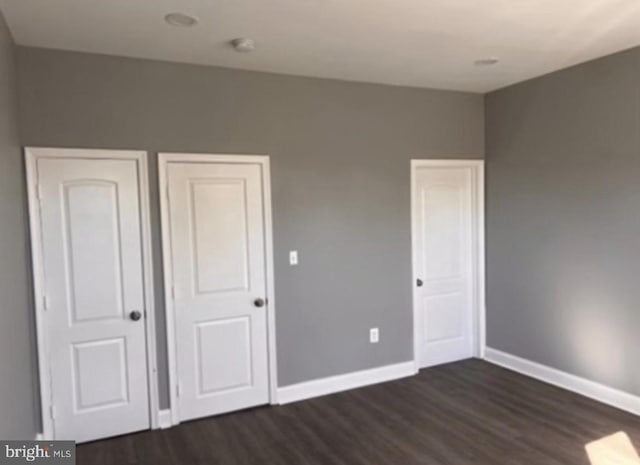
x,y
419,282
135,315
258,302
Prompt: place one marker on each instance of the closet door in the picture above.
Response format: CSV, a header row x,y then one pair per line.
x,y
91,243
217,234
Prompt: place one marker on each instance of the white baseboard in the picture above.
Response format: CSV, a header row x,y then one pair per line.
x,y
39,437
605,394
164,419
333,384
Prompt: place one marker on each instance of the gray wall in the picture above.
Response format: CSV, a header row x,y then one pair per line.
x,y
17,359
340,171
563,219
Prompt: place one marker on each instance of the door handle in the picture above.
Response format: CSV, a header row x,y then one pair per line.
x,y
259,302
419,282
135,315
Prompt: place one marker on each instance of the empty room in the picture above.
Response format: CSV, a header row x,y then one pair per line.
x,y
318,232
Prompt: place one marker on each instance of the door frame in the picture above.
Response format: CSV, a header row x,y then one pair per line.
x,y
32,155
478,251
164,158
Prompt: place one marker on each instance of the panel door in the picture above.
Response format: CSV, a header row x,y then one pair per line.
x,y
444,222
218,257
92,256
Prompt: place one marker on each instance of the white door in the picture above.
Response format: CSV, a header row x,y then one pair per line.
x,y
216,223
92,267
443,221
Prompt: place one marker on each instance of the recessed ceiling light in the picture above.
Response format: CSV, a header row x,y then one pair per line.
x,y
181,20
243,44
487,61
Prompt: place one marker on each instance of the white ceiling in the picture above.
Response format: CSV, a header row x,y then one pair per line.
x,y
423,43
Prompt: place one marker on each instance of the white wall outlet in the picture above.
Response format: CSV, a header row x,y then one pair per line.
x,y
374,335
293,257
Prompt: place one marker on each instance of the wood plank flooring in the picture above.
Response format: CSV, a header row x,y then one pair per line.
x,y
468,412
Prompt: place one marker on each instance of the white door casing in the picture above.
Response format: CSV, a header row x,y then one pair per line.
x,y
215,230
90,268
448,260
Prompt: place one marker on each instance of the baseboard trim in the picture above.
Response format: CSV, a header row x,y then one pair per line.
x,y
605,394
333,384
164,419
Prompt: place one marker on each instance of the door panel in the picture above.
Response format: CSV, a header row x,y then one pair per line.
x,y
218,210
91,237
92,259
216,222
443,317
91,360
444,239
441,229
224,352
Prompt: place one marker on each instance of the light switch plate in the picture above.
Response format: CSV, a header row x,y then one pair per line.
x,y
374,335
293,257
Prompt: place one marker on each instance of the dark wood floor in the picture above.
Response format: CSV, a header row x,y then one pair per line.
x,y
469,412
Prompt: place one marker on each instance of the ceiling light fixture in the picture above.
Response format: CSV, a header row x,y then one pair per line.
x,y
487,61
243,44
181,20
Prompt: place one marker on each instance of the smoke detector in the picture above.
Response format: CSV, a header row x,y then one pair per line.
x,y
487,61
181,20
243,44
